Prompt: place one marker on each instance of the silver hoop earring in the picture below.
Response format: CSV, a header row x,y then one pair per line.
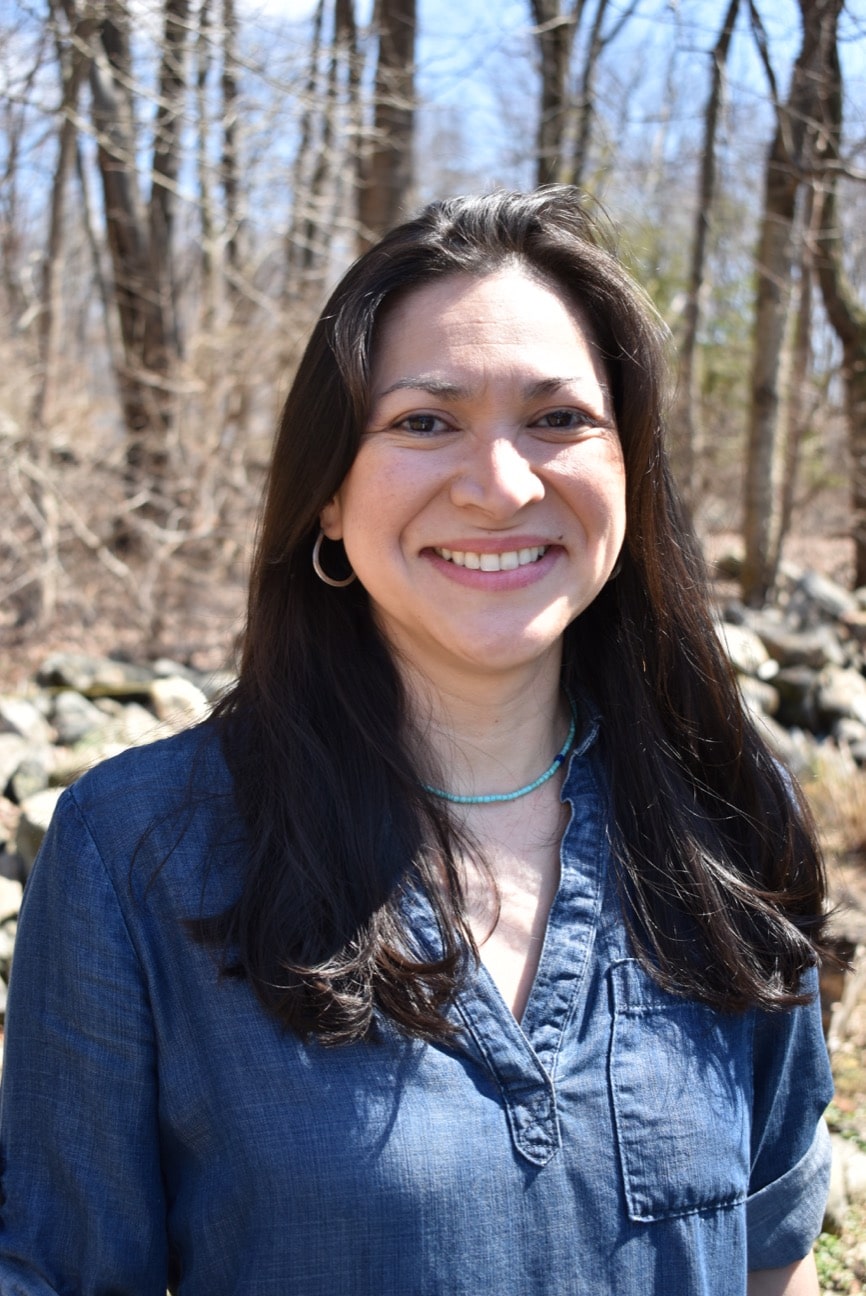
x,y
317,566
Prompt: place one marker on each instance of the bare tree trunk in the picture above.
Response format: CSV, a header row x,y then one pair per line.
x,y
555,31
142,326
10,227
303,164
348,178
204,61
20,302
387,171
846,314
74,65
789,159
140,244
798,411
327,167
113,341
585,104
584,107
229,168
42,501
166,166
688,442
318,221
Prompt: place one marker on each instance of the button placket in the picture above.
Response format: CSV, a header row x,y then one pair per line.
x,y
522,1057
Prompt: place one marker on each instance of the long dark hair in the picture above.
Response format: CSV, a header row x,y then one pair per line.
x,y
721,883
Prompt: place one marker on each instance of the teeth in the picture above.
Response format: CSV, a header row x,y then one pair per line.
x,y
492,562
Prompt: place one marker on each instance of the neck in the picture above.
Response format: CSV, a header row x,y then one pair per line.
x,y
492,736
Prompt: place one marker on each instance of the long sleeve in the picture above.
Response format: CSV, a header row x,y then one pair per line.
x,y
790,1144
83,1205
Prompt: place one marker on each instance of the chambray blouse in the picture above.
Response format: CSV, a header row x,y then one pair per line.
x,y
159,1128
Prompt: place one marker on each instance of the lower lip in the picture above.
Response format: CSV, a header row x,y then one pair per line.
x,y
513,579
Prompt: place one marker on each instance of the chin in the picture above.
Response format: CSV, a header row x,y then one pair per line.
x,y
500,658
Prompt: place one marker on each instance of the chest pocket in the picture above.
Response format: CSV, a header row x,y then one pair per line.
x,y
680,1078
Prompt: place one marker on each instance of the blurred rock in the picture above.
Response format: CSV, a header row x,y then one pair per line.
x,y
793,747
822,597
178,701
36,815
8,930
854,625
855,1175
849,732
840,693
729,566
137,725
93,676
814,648
837,1199
10,899
847,1182
32,775
13,750
216,683
795,686
9,816
744,648
76,718
759,695
22,717
12,865
76,761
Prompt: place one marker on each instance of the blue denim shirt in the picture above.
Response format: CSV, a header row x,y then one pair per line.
x,y
158,1126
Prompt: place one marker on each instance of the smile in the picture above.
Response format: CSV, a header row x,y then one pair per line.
x,y
493,562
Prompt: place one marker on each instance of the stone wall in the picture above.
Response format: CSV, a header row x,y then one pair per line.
x,y
79,711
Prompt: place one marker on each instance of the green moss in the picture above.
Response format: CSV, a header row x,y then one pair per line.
x,y
849,1125
830,1258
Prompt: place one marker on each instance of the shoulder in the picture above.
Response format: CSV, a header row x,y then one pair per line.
x,y
151,800
166,774
163,763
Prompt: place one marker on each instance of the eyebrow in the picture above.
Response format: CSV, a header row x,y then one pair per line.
x,y
437,386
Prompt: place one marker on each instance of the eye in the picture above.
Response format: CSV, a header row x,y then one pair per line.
x,y
422,424
564,420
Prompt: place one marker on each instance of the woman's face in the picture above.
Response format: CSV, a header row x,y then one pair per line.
x,y
485,508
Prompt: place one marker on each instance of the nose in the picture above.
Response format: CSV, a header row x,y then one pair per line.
x,y
496,478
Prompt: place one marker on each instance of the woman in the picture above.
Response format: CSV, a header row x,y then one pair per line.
x,y
470,947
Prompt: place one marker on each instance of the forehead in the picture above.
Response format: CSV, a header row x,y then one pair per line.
x,y
510,312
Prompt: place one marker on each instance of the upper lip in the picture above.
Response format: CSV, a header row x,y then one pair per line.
x,y
498,545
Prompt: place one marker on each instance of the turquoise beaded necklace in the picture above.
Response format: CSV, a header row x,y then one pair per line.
x,y
492,797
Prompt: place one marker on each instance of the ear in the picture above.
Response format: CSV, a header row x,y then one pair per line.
x,y
331,519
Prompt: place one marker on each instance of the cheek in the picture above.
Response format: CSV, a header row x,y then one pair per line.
x,y
610,484
616,493
373,513
595,487
384,494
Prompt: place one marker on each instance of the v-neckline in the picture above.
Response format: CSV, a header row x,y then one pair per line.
x,y
521,1056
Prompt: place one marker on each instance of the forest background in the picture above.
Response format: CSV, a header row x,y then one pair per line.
x,y
181,181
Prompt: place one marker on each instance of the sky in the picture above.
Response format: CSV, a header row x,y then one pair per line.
x,y
476,76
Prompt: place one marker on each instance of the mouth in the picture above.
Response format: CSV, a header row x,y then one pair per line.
x,y
510,560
